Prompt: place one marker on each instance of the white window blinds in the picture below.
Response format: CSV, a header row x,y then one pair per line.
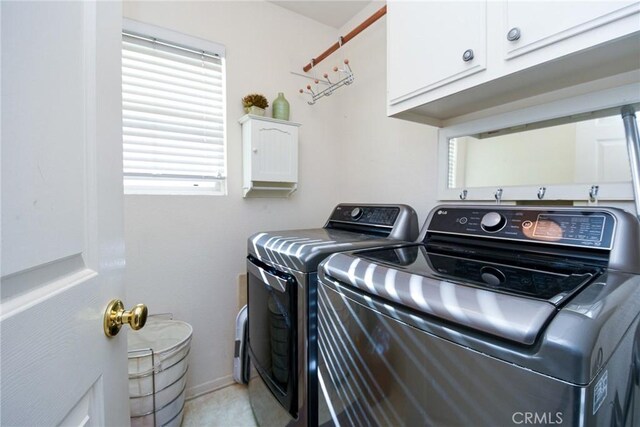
x,y
173,118
452,163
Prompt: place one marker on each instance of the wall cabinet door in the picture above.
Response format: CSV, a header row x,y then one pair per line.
x,y
274,152
535,25
431,44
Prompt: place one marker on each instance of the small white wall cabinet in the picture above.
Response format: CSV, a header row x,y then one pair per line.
x,y
448,59
270,156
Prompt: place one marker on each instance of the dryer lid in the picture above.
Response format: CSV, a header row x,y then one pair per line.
x,y
303,250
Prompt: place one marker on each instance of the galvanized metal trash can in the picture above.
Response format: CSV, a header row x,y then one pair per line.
x,y
158,364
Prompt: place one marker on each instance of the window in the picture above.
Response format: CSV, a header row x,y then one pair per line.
x,y
173,107
452,158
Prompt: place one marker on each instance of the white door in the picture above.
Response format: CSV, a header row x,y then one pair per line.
x,y
62,232
601,151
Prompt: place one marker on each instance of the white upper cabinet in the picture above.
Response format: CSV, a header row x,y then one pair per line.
x,y
441,51
532,25
520,49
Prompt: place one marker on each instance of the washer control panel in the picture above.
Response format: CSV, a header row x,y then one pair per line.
x,y
366,215
570,227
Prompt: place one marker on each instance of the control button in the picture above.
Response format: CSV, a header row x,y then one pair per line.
x,y
356,213
492,222
527,224
463,220
492,276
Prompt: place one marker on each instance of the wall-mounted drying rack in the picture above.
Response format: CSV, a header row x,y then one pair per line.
x,y
345,75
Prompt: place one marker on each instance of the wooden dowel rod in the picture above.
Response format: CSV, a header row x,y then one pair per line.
x,y
322,56
370,20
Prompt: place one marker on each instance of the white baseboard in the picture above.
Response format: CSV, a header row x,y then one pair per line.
x,y
208,387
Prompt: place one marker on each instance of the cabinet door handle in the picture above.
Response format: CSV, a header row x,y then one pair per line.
x,y
255,150
467,55
513,34
276,129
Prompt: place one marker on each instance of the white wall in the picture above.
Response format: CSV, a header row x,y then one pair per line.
x,y
387,160
184,253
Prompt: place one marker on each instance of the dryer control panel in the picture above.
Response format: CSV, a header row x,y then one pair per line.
x,y
398,222
363,214
591,228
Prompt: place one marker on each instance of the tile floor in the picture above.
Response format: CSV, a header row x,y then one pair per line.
x,y
227,407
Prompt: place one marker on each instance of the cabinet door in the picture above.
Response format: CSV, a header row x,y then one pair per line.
x,y
579,24
274,152
427,41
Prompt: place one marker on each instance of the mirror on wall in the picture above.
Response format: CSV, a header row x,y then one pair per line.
x,y
566,150
579,152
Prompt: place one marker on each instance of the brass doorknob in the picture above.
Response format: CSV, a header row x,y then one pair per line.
x,y
115,316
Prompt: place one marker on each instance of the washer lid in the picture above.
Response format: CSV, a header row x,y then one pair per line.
x,y
510,316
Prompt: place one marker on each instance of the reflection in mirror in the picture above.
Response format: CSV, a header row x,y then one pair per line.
x,y
581,152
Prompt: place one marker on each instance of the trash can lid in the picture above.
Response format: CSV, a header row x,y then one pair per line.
x,y
160,335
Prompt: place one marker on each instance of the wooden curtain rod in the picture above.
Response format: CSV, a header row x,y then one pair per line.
x,y
370,20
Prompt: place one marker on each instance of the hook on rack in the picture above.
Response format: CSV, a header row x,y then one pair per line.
x,y
541,192
593,194
344,77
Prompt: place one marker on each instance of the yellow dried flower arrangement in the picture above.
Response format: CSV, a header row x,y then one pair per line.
x,y
255,99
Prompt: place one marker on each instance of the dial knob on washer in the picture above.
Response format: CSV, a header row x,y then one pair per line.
x,y
492,222
356,213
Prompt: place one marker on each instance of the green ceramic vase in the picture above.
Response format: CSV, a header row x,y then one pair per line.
x,y
280,107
